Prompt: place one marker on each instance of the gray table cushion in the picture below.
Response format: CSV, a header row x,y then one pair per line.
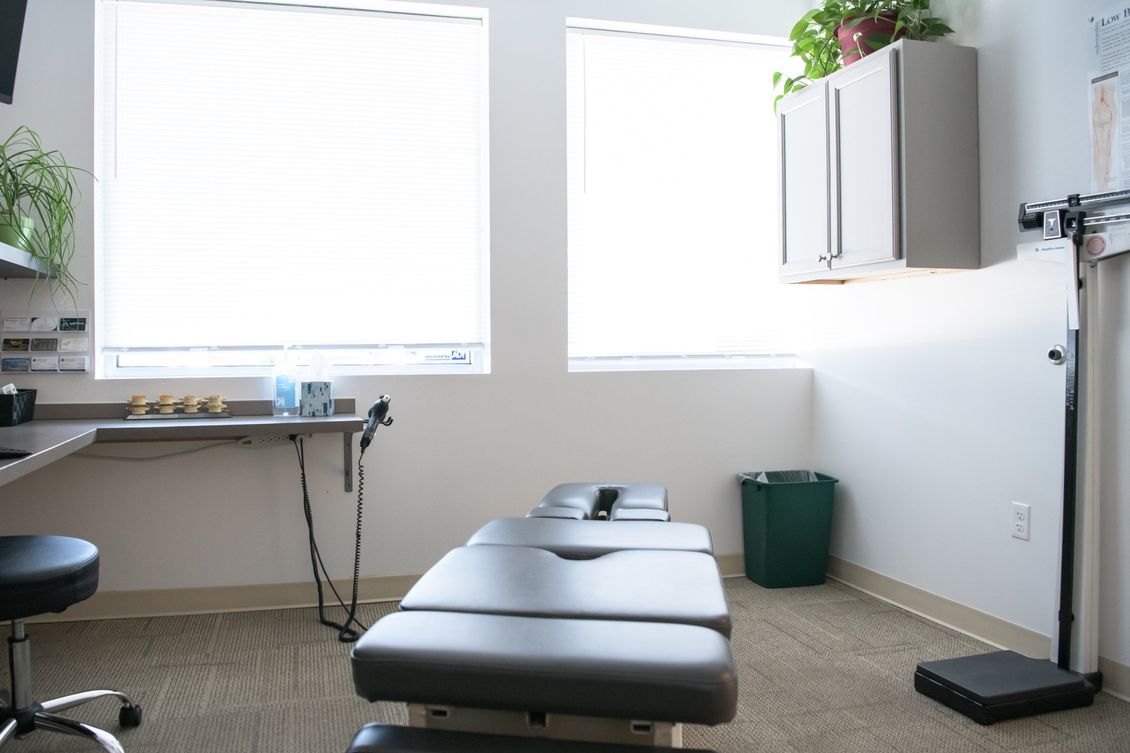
x,y
616,670
637,585
583,539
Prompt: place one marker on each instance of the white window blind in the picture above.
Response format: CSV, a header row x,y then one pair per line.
x,y
287,175
672,199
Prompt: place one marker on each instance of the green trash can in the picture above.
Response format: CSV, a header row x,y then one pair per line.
x,y
787,526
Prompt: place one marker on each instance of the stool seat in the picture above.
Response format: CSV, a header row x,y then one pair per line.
x,y
40,574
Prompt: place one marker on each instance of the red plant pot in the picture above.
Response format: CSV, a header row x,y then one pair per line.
x,y
860,39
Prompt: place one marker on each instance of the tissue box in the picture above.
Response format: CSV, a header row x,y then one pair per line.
x,y
316,399
17,408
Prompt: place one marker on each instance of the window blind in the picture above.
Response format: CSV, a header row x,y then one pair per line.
x,y
672,197
278,175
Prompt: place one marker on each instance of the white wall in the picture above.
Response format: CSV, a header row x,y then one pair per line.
x,y
932,397
463,449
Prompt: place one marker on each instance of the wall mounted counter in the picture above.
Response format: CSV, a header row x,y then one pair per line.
x,y
62,429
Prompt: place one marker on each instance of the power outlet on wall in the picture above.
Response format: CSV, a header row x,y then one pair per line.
x,y
1021,516
260,441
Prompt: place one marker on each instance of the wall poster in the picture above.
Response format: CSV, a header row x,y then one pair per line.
x,y
1109,99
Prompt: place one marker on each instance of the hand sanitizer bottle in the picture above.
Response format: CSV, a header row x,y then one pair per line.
x,y
285,378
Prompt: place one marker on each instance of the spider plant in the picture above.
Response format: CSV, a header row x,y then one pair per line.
x,y
38,195
816,43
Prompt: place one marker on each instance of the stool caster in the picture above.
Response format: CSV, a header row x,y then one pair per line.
x,y
129,716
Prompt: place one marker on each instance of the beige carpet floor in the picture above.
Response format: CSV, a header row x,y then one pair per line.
x,y
820,669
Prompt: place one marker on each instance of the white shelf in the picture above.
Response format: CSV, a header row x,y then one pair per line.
x,y
15,263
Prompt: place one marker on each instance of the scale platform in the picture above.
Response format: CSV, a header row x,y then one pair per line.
x,y
1002,685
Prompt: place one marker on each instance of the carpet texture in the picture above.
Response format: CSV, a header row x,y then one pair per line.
x,y
820,669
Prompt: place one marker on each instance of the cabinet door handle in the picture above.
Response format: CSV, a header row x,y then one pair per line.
x,y
822,257
837,255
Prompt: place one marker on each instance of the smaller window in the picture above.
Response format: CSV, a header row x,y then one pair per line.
x,y
672,200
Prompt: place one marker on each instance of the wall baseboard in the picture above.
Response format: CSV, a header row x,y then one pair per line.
x,y
731,565
965,619
1116,678
980,625
165,602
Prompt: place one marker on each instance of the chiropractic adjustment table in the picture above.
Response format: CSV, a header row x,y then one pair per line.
x,y
557,634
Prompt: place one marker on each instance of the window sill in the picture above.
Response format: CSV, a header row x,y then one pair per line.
x,y
683,363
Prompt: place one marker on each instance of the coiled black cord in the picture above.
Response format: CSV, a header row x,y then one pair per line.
x,y
352,617
346,633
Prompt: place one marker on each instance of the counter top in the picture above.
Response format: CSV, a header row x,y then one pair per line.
x,y
51,439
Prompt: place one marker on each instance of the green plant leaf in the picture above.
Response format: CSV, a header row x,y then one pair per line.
x,y
814,42
877,41
41,185
802,25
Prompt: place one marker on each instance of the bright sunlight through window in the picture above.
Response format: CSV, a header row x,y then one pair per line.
x,y
281,175
673,210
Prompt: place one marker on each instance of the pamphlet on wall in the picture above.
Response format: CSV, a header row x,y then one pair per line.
x,y
1109,99
45,342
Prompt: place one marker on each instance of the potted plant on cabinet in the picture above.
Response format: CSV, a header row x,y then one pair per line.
x,y
839,32
38,195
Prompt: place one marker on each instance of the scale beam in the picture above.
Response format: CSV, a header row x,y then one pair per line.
x,y
1031,212
1097,237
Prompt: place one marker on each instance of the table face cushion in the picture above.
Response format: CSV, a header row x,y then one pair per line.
x,y
616,670
639,513
634,585
567,513
592,498
583,539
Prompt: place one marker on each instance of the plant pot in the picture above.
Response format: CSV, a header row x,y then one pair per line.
x,y
861,37
16,230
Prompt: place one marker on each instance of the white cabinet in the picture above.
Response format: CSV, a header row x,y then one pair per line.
x,y
879,168
803,126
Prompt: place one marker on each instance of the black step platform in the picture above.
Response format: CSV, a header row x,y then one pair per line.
x,y
1001,685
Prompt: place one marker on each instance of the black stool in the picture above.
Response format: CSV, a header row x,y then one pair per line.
x,y
40,574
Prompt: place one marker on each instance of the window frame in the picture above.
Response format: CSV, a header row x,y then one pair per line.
x,y
386,359
781,358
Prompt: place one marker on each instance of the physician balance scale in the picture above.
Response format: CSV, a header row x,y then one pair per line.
x,y
1004,684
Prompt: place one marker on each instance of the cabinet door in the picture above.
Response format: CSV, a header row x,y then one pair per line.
x,y
803,148
865,164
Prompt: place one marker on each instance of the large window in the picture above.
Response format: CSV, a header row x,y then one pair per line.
x,y
672,200
280,175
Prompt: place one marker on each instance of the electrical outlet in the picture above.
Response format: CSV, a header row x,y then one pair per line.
x,y
1021,515
264,440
